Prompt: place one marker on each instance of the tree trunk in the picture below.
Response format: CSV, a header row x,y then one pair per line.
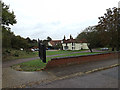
x,y
90,49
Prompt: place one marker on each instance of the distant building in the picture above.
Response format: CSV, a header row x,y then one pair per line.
x,y
69,44
54,42
34,48
73,44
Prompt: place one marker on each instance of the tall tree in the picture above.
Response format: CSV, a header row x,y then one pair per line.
x,y
8,18
108,27
91,35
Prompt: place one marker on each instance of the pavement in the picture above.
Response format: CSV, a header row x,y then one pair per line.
x,y
12,78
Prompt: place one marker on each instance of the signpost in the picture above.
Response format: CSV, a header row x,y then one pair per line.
x,y
42,51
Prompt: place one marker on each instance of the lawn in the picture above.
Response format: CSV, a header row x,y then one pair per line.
x,y
37,65
59,52
11,54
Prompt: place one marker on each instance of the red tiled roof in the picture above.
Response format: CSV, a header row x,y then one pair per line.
x,y
54,42
34,47
75,41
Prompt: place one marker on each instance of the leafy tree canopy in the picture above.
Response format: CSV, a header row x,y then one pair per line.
x,y
8,18
106,33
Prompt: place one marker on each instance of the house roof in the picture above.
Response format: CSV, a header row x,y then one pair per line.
x,y
34,47
54,42
74,41
71,40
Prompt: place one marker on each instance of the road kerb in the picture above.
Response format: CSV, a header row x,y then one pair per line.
x,y
101,68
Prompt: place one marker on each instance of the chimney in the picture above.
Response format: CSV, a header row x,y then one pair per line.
x,y
64,38
71,36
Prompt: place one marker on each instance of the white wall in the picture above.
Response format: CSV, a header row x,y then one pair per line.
x,y
49,44
85,46
77,46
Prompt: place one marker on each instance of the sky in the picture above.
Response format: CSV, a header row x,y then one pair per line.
x,y
56,18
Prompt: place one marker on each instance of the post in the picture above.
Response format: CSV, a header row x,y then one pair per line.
x,y
42,51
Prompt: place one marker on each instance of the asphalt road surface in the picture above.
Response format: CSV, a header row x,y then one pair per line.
x,y
102,79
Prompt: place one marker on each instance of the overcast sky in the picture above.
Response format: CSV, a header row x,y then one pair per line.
x,y
56,18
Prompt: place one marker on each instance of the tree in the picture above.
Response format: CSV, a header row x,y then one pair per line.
x,y
8,37
106,33
28,40
18,42
8,18
92,37
49,39
108,26
31,43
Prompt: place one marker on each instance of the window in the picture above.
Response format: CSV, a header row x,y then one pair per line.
x,y
72,48
65,47
73,44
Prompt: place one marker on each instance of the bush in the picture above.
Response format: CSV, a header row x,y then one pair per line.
x,y
7,51
16,55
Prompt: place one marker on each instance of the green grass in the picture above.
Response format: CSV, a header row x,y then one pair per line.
x,y
37,65
60,52
11,54
77,54
56,52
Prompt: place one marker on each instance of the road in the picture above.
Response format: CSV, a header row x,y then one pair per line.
x,y
103,79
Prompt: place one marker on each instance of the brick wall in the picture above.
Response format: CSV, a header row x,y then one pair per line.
x,y
58,62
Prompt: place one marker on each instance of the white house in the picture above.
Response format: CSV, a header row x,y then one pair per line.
x,y
73,44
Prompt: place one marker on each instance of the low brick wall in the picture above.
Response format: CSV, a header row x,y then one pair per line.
x,y
58,62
